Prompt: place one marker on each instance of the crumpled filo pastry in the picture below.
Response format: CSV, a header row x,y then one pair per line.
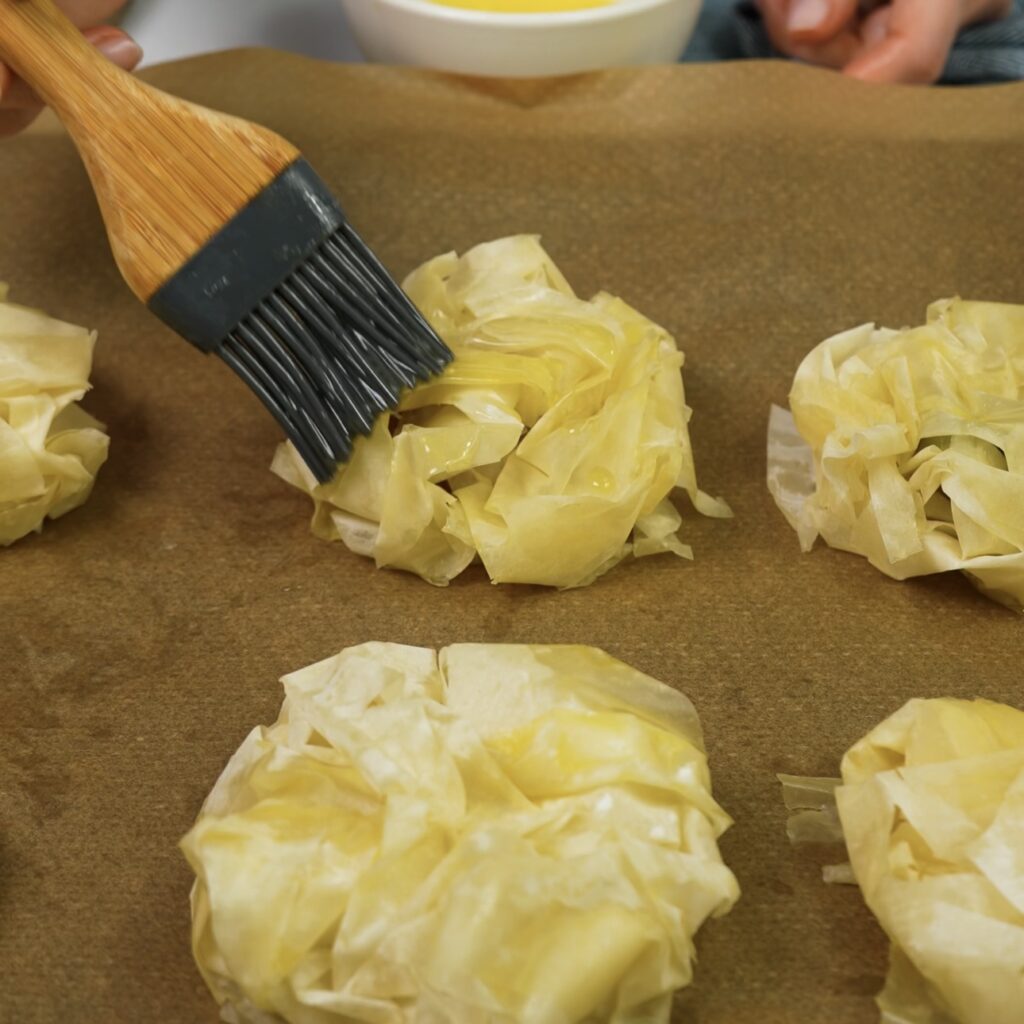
x,y
548,449
931,808
907,447
50,449
485,835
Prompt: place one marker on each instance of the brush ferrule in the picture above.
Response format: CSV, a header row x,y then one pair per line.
x,y
293,300
247,259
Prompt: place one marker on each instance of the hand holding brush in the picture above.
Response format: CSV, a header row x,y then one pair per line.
x,y
231,238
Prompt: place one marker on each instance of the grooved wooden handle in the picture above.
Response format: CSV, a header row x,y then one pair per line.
x,y
167,174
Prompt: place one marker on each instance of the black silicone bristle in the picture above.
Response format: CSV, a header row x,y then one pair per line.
x,y
294,301
331,348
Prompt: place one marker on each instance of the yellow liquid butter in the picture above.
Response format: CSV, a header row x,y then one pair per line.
x,y
523,6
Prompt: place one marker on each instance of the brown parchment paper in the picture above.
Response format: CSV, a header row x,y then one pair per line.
x,y
751,209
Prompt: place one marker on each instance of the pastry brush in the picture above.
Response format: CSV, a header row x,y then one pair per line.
x,y
228,235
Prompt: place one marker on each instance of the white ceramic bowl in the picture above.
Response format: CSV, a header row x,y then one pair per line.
x,y
425,34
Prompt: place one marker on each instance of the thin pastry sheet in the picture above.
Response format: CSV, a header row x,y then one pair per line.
x,y
548,449
931,806
907,447
50,448
488,834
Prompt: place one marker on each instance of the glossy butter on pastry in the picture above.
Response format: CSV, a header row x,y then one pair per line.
x,y
488,834
548,449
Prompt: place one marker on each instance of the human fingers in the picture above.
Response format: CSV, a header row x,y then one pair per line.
x,y
823,33
19,105
13,121
801,22
907,41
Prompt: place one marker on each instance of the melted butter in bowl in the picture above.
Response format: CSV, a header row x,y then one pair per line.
x,y
522,38
523,6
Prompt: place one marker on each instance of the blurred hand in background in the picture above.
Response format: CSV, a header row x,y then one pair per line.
x,y
899,41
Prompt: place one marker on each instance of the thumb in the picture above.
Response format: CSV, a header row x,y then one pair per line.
x,y
909,43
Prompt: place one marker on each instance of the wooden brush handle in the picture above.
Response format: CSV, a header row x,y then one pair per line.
x,y
168,175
